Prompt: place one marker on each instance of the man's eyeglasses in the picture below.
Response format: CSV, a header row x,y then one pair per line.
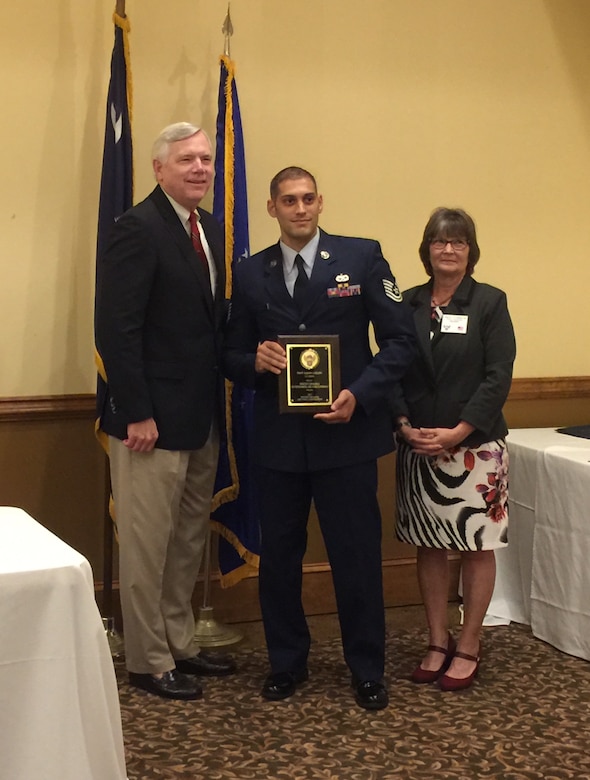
x,y
456,243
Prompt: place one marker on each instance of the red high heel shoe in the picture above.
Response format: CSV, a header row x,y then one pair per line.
x,y
422,676
447,683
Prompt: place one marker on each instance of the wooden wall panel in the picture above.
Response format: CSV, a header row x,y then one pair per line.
x,y
52,466
55,471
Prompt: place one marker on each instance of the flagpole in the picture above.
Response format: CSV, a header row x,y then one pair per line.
x,y
115,639
120,8
208,631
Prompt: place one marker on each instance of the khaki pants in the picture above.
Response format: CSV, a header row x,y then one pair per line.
x,y
162,506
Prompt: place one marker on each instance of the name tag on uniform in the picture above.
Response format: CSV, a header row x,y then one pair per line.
x,y
454,323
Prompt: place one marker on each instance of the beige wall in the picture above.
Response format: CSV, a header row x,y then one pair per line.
x,y
397,105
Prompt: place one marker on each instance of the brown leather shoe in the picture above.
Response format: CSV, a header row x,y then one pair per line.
x,y
171,685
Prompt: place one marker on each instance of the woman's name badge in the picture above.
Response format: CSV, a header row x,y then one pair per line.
x,y
454,323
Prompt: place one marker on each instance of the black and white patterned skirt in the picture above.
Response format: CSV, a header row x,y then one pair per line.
x,y
457,500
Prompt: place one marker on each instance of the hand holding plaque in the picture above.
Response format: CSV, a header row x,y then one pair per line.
x,y
311,381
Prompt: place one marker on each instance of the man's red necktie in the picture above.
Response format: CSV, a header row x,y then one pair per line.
x,y
196,237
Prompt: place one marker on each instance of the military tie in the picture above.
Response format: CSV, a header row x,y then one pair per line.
x,y
301,288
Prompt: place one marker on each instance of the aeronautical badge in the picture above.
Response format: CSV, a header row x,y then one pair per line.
x,y
324,255
343,290
392,290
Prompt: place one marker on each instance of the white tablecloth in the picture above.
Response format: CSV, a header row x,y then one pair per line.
x,y
59,706
543,576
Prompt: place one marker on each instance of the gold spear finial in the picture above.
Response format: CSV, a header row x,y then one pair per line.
x,y
228,31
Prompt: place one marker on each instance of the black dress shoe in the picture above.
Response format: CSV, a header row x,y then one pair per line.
x,y
281,685
370,695
207,665
171,685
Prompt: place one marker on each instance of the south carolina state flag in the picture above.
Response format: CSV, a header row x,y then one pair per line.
x,y
116,184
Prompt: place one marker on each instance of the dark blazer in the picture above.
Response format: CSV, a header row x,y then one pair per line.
x,y
158,329
460,376
262,309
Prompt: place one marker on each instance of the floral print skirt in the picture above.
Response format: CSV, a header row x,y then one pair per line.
x,y
457,500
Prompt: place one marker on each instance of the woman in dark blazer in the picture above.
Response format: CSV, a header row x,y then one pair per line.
x,y
452,463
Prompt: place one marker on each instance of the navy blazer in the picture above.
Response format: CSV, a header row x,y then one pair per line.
x,y
262,309
460,376
158,329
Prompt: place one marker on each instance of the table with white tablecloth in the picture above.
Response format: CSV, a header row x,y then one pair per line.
x,y
59,706
543,576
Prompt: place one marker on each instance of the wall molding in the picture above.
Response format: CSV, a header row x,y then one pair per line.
x,y
82,405
549,388
48,407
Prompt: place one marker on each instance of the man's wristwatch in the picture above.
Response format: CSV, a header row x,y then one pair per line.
x,y
402,423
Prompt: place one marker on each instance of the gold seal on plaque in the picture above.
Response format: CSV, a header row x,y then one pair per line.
x,y
309,359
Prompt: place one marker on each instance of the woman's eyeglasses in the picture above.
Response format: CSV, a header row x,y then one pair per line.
x,y
456,243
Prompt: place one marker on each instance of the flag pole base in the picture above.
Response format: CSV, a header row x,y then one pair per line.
x,y
210,633
114,639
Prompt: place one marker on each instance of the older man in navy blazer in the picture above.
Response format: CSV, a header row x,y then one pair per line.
x,y
160,312
331,456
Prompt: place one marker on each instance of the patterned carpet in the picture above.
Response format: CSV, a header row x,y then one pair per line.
x,y
526,718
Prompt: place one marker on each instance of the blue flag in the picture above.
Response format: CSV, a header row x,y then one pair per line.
x,y
116,184
235,512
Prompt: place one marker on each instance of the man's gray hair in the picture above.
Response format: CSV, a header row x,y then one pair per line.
x,y
176,132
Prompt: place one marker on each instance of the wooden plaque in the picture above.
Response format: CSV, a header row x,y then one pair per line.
x,y
311,381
